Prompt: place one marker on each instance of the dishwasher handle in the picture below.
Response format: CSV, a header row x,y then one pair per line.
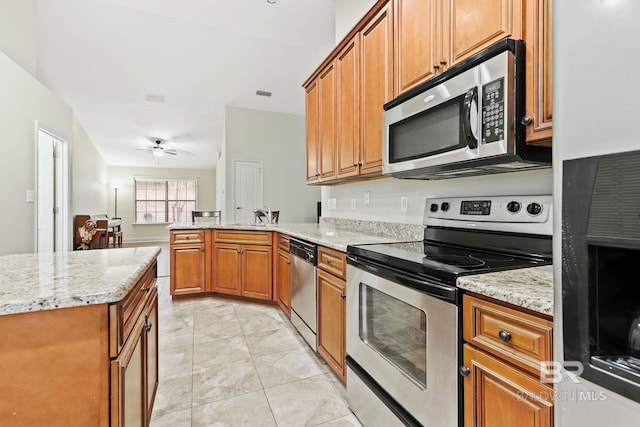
x,y
304,250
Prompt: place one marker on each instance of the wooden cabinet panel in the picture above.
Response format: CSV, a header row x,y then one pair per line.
x,y
332,261
376,86
311,119
473,25
188,269
520,338
327,122
227,265
151,346
416,42
348,109
539,76
186,236
332,321
257,272
283,281
498,395
243,237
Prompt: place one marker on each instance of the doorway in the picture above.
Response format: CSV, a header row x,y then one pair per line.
x,y
52,219
248,189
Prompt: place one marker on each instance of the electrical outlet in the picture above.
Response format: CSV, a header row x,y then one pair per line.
x,y
367,198
332,203
404,203
353,203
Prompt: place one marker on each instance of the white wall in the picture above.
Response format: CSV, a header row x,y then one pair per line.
x,y
89,176
122,178
348,12
18,32
23,102
278,140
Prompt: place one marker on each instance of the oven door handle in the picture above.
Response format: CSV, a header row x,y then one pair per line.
x,y
467,126
437,290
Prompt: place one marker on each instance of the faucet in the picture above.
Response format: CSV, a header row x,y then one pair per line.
x,y
267,213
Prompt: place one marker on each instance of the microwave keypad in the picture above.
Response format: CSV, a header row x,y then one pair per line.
x,y
493,114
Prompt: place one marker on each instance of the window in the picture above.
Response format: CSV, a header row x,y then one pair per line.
x,y
161,200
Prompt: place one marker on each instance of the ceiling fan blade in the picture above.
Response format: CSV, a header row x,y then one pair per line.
x,y
172,152
143,149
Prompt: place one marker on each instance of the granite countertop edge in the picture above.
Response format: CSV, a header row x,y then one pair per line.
x,y
530,288
70,279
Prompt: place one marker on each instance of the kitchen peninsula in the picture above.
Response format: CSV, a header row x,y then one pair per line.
x,y
78,332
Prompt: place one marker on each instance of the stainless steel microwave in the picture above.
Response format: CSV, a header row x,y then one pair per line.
x,y
467,121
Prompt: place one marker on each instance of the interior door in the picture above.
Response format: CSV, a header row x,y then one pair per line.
x,y
248,190
46,192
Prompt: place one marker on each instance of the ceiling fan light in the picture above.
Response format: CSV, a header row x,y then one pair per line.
x,y
158,153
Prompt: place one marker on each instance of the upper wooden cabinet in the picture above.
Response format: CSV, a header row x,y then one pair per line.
x,y
418,43
348,109
311,111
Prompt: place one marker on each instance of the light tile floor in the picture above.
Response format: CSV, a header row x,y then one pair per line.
x,y
226,362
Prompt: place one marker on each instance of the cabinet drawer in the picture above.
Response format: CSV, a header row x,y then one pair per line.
x,y
186,236
332,261
243,237
283,242
124,314
521,338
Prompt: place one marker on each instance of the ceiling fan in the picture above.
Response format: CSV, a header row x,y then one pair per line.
x,y
157,150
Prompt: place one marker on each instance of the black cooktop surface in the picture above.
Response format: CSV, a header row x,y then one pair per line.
x,y
439,261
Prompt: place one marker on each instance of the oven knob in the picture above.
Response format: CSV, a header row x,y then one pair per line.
x,y
513,206
444,206
534,208
434,207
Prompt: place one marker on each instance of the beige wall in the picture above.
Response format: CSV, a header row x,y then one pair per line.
x,y
89,176
348,12
278,141
122,178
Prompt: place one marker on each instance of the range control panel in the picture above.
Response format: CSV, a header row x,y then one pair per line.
x,y
495,210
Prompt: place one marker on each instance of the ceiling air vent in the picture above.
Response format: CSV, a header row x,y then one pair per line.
x,y
154,98
263,93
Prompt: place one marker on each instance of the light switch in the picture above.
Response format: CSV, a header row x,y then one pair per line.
x,y
353,203
367,198
31,196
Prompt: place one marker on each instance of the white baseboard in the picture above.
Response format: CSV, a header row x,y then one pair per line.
x,y
159,239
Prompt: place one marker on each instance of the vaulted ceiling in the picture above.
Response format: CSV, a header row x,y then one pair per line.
x,y
104,57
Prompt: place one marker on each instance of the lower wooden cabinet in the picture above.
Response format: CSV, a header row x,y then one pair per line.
x,y
134,373
332,321
188,268
503,350
499,395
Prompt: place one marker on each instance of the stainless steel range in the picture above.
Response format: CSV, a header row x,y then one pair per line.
x,y
403,335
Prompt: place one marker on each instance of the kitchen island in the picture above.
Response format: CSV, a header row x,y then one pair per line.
x,y
78,331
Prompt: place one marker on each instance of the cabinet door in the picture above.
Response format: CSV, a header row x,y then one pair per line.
x,y
498,395
473,25
327,122
348,109
311,102
257,272
538,73
227,268
128,402
151,345
283,283
415,37
332,321
188,269
376,86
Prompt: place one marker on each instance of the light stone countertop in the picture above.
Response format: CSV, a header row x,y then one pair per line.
x,y
325,234
530,288
34,282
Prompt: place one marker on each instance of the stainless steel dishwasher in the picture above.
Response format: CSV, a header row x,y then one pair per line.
x,y
303,289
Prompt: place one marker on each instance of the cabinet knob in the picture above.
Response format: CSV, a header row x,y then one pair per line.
x,y
464,371
343,296
443,62
328,261
187,237
355,164
359,163
527,120
148,326
201,250
504,336
145,289
436,67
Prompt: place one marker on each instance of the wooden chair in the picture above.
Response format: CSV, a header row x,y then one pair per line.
x,y
115,236
216,216
274,216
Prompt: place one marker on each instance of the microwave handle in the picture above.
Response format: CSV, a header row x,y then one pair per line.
x,y
472,95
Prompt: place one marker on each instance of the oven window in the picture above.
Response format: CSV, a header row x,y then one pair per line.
x,y
432,131
396,330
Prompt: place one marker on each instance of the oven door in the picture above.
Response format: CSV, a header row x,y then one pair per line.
x,y
406,342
